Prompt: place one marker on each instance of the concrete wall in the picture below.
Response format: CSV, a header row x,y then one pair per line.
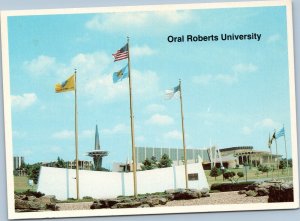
x,y
62,183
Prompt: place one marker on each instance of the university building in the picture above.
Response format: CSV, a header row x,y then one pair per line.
x,y
230,157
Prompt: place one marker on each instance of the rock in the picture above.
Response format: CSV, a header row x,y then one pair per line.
x,y
251,187
163,201
45,199
281,193
204,192
144,205
183,194
31,203
242,192
152,202
251,193
132,204
205,195
21,204
52,206
262,191
97,205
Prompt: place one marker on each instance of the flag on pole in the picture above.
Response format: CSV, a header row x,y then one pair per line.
x,y
280,133
169,94
273,137
67,85
120,75
269,142
121,53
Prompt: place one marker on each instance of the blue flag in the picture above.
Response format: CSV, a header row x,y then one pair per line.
x,y
120,75
280,133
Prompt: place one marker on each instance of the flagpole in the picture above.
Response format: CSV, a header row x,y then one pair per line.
x,y
76,137
277,165
132,126
183,137
271,155
287,162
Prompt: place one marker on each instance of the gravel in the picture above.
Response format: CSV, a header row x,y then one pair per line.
x,y
214,199
220,198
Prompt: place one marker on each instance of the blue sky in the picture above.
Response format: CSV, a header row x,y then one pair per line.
x,y
234,92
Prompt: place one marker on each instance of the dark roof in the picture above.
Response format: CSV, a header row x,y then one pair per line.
x,y
236,148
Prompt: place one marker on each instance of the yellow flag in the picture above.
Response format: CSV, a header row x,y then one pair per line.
x,y
68,85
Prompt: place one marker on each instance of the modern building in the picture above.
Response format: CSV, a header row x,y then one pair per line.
x,y
230,157
97,154
18,162
82,164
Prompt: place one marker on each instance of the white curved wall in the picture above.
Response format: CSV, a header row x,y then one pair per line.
x,y
97,184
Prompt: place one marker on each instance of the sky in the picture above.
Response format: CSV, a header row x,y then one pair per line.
x,y
234,92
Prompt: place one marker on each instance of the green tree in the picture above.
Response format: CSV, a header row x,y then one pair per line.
x,y
264,169
148,165
34,172
165,161
60,163
215,172
282,165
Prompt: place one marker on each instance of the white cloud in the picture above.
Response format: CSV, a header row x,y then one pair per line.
x,y
244,68
136,20
237,71
158,119
64,134
203,79
95,77
226,78
246,130
40,65
21,102
55,149
69,134
174,134
273,38
267,123
140,139
144,50
87,134
155,108
119,128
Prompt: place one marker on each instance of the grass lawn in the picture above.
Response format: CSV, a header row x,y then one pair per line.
x,y
252,174
21,184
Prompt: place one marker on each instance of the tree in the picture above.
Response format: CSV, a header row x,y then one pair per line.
x,y
165,161
264,169
60,163
148,165
34,171
282,165
240,175
215,172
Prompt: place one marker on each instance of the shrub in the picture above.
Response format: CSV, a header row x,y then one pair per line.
x,y
215,172
240,174
226,187
165,161
31,193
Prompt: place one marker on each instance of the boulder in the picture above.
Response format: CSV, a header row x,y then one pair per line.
x,y
242,192
21,204
204,192
46,199
132,204
186,194
262,191
251,193
281,193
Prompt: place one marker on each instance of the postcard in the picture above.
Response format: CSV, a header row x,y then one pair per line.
x,y
149,109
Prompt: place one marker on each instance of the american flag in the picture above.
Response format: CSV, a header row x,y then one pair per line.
x,y
121,53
